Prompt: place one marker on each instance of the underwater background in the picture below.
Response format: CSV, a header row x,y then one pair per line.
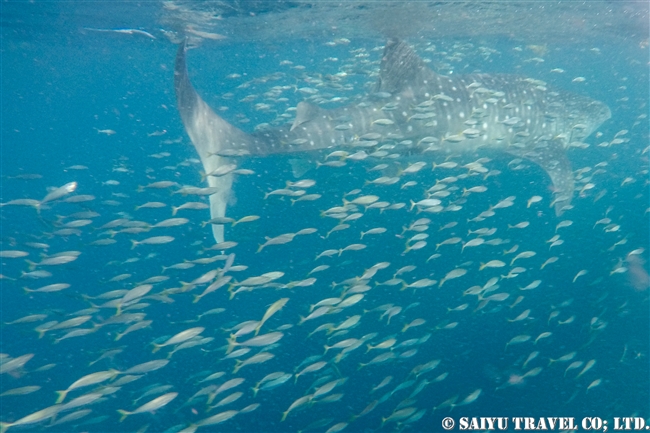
x,y
88,97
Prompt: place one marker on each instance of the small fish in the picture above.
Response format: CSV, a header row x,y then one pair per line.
x,y
518,340
87,380
456,273
523,316
523,255
470,398
273,308
472,243
587,367
534,199
58,193
532,356
171,222
49,288
562,224
492,264
154,240
535,284
21,391
549,261
580,274
179,338
594,384
151,406
13,254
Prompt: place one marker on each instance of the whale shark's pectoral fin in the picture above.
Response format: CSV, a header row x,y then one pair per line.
x,y
210,135
300,166
402,68
551,156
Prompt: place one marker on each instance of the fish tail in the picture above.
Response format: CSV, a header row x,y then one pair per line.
x,y
156,347
4,426
134,243
123,413
62,395
174,210
231,344
238,366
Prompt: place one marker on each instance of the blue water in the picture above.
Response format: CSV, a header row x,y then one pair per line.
x,y
61,84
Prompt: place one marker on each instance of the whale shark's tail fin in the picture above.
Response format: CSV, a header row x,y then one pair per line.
x,y
212,137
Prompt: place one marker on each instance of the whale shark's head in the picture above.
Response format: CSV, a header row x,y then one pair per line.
x,y
596,113
585,116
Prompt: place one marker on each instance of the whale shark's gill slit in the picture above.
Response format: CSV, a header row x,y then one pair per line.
x,y
409,103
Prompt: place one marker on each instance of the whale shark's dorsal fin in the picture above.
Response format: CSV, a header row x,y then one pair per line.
x,y
304,113
401,67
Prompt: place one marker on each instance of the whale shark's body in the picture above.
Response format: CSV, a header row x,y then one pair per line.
x,y
416,109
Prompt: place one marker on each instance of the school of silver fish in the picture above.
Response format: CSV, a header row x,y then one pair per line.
x,y
353,293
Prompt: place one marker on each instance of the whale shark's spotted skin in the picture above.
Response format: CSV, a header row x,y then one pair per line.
x,y
417,110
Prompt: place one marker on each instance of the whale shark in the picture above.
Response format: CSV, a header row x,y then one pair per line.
x,y
414,108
